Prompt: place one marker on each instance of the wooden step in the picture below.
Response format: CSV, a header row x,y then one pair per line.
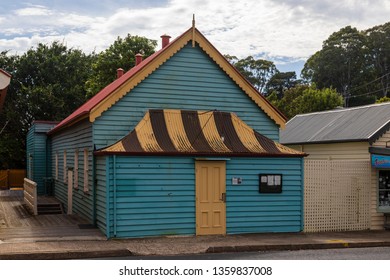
x,y
50,209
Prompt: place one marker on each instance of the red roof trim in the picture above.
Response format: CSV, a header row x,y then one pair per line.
x,y
5,73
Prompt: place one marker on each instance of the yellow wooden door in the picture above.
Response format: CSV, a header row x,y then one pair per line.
x,y
210,197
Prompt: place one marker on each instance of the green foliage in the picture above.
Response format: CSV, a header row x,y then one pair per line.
x,y
121,54
378,59
383,100
355,63
306,99
257,71
280,82
48,83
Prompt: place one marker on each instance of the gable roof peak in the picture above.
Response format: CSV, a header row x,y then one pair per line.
x,y
113,92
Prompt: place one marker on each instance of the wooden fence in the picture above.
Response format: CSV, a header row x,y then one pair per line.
x,y
12,178
31,196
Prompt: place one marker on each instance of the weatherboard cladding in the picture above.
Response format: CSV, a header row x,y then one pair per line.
x,y
365,123
76,137
196,133
37,149
149,196
189,80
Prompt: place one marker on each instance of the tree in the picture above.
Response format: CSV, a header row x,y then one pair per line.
x,y
121,54
257,71
48,83
281,82
378,44
340,62
306,99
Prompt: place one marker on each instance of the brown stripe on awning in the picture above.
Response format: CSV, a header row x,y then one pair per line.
x,y
131,142
225,127
267,144
194,131
160,131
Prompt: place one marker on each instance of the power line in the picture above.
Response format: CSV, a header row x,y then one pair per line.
x,y
355,89
364,94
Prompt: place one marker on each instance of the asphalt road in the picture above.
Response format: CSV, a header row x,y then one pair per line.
x,y
373,253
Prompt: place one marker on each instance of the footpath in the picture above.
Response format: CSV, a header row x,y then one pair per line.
x,y
91,247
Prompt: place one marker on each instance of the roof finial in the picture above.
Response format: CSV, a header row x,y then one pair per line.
x,y
193,30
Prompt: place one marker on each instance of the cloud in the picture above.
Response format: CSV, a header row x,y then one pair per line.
x,y
34,10
285,31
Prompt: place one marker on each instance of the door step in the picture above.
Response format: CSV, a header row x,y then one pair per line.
x,y
50,209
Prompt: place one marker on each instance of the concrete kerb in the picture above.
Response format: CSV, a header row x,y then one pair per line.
x,y
294,247
124,252
67,255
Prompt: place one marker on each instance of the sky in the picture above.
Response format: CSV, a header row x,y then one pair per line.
x,y
286,32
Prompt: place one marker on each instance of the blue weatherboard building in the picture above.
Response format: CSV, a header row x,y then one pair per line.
x,y
179,144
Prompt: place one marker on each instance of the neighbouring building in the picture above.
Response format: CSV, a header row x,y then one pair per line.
x,y
179,144
5,79
38,163
347,172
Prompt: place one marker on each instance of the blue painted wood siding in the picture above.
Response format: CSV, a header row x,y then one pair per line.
x,y
248,211
38,154
150,196
76,137
189,80
101,192
30,139
153,196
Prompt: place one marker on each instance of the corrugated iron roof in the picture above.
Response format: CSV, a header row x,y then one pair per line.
x,y
197,133
365,123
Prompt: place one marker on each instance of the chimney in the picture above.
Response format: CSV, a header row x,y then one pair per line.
x,y
138,59
165,40
119,72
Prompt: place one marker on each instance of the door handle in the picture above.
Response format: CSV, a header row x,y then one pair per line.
x,y
223,198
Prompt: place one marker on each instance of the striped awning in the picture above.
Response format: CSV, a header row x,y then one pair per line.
x,y
174,132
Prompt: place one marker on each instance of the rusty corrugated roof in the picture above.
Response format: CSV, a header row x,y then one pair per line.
x,y
196,133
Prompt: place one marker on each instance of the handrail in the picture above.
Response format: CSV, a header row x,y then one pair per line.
x,y
30,195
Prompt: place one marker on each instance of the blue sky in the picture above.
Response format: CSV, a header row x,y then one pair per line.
x,y
286,32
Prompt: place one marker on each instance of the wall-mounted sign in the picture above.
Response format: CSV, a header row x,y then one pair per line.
x,y
380,161
236,181
270,183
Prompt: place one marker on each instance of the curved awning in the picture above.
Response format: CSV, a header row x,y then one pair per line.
x,y
183,132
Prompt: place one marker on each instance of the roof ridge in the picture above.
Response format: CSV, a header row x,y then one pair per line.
x,y
344,109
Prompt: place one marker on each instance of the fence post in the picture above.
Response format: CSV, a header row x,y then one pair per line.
x,y
30,195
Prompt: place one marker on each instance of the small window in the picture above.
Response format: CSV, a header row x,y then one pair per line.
x,y
270,183
56,163
86,188
65,171
76,170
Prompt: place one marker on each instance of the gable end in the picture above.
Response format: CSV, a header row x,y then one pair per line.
x,y
150,65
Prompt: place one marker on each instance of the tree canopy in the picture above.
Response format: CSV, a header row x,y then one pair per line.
x,y
121,54
306,99
355,63
49,82
257,71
